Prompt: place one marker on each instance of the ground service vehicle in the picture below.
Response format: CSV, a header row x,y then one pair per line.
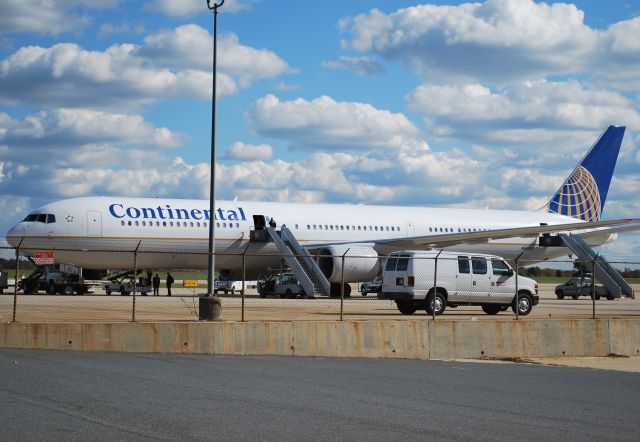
x,y
374,286
581,286
284,285
227,286
123,284
460,279
65,281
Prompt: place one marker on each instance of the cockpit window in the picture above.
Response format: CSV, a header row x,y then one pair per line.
x,y
46,218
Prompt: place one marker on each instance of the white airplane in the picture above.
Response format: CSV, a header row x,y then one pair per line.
x,y
102,232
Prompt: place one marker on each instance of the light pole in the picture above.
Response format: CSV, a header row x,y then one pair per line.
x,y
210,307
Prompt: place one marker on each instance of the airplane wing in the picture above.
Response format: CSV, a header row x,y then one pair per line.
x,y
596,228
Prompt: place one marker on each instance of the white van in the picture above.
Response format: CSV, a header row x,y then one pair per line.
x,y
460,279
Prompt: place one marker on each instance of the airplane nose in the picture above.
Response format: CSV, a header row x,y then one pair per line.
x,y
15,235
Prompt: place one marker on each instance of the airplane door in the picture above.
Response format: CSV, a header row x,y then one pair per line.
x,y
411,231
94,223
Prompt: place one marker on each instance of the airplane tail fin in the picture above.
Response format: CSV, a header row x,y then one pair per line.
x,y
583,194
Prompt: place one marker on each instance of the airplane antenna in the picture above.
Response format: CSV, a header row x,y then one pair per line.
x,y
209,306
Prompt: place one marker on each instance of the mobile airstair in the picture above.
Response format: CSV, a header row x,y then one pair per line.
x,y
603,271
301,263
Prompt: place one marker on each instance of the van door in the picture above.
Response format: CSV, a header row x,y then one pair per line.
x,y
463,280
503,281
480,280
395,274
94,223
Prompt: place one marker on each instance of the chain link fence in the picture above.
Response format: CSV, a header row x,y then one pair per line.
x,y
421,286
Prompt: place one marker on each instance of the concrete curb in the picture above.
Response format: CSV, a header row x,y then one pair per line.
x,y
408,339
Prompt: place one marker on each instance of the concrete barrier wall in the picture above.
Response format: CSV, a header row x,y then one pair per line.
x,y
441,339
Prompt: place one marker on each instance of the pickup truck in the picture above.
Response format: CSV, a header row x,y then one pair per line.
x,y
581,286
374,286
124,286
227,286
284,285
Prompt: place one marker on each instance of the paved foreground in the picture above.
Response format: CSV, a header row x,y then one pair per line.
x,y
49,395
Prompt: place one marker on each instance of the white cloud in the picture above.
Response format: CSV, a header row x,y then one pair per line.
x,y
48,17
326,124
249,152
496,41
170,64
559,114
63,128
360,65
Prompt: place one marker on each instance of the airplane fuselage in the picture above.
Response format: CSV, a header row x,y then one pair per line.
x,y
103,232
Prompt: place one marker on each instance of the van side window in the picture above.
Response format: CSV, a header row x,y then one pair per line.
x,y
391,263
403,263
463,264
479,266
499,267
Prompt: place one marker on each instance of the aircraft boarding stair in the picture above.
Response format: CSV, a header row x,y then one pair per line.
x,y
604,272
302,265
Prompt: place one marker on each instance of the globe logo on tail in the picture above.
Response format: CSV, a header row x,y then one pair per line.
x,y
578,197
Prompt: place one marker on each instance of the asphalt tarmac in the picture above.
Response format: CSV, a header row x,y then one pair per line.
x,y
52,395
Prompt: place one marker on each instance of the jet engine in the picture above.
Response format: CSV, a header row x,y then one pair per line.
x,y
361,263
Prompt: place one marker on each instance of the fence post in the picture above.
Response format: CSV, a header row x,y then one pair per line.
x,y
342,287
517,296
435,285
593,285
244,287
15,281
135,280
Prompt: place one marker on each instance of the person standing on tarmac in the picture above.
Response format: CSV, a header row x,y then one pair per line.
x,y
156,285
169,282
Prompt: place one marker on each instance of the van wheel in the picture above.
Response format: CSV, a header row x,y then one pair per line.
x,y
524,306
491,309
436,303
406,307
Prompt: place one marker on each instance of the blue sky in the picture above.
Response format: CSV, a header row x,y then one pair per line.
x,y
450,104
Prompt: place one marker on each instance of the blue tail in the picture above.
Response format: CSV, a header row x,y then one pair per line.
x,y
583,194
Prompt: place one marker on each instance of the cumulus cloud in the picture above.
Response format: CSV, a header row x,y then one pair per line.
x,y
47,17
559,114
128,75
496,41
73,127
326,124
360,65
184,8
244,151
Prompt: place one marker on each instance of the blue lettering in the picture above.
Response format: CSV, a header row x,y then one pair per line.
x,y
148,212
196,214
132,212
113,212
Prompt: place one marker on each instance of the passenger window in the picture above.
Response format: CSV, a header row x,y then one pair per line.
x,y
392,261
479,266
403,263
463,264
500,267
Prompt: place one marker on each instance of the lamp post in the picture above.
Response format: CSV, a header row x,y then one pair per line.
x,y
210,307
